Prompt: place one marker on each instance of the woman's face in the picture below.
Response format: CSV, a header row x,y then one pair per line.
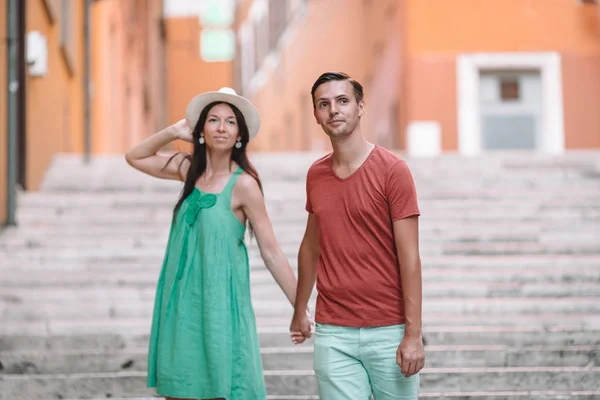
x,y
221,128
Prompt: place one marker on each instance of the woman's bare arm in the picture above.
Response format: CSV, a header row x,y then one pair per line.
x,y
145,157
253,205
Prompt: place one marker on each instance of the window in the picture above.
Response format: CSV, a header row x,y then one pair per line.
x,y
217,13
217,40
509,89
217,45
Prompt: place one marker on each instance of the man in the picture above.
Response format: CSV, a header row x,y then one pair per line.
x,y
361,241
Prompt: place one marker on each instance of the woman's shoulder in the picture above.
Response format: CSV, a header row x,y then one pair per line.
x,y
246,187
247,182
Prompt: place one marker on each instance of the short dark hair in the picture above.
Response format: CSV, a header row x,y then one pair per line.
x,y
337,76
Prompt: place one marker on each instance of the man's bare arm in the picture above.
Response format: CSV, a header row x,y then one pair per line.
x,y
410,353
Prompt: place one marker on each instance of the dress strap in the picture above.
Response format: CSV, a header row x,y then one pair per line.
x,y
231,183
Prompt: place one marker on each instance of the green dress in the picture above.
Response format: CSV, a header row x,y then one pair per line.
x,y
203,343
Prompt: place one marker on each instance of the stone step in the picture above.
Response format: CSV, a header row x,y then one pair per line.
x,y
147,245
295,228
140,323
427,175
145,214
286,237
58,201
79,260
301,357
139,186
434,323
509,394
298,382
290,243
285,222
17,294
96,305
74,276
107,338
426,249
293,201
479,395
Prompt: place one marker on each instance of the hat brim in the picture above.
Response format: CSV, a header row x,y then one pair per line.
x,y
198,103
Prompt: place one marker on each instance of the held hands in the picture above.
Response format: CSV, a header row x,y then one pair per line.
x,y
182,131
302,327
410,355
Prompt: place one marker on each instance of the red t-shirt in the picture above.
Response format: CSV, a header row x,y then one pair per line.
x,y
358,278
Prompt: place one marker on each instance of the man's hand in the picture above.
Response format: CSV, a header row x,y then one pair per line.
x,y
301,327
410,355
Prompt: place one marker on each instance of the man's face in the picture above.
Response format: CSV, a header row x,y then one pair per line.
x,y
336,109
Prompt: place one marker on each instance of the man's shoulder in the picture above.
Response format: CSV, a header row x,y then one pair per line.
x,y
391,166
388,158
320,166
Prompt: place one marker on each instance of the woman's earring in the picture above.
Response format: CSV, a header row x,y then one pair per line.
x,y
238,145
201,140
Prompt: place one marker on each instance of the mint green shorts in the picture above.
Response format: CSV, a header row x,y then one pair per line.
x,y
357,363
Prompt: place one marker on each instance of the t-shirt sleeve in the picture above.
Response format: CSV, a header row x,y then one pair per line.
x,y
308,186
401,192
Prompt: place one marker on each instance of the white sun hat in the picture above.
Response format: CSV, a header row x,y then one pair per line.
x,y
227,95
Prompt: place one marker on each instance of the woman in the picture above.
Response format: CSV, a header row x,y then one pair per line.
x,y
203,343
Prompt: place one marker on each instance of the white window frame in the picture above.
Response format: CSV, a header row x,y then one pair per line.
x,y
469,67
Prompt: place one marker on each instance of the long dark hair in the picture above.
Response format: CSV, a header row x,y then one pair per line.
x,y
198,157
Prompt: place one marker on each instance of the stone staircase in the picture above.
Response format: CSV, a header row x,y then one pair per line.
x,y
510,245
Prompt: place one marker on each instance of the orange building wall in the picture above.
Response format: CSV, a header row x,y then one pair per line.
x,y
54,109
128,101
354,39
581,91
385,48
3,133
508,25
430,95
435,34
187,74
